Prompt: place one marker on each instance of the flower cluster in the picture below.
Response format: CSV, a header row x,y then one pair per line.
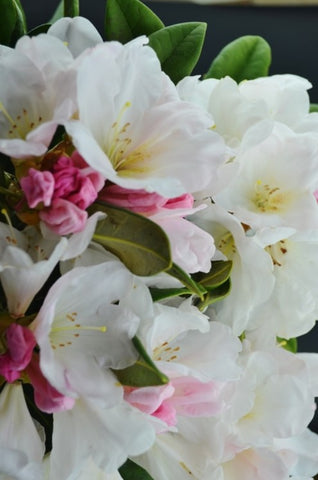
x,y
158,255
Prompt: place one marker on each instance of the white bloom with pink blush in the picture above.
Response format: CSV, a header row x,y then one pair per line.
x,y
191,247
146,138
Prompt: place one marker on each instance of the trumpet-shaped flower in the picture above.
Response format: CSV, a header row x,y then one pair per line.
x,y
107,436
82,332
273,188
35,94
136,131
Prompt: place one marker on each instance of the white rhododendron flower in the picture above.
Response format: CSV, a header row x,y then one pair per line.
x,y
250,262
26,261
78,336
36,95
136,131
273,188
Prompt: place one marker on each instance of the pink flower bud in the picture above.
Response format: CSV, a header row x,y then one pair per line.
x,y
63,217
20,343
38,187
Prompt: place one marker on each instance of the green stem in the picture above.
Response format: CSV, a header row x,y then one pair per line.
x,y
71,8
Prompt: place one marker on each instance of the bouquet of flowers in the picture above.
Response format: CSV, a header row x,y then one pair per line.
x,y
158,254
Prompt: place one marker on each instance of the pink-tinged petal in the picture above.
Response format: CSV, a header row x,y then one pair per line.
x,y
46,397
192,248
63,217
167,413
194,398
148,399
184,201
20,344
38,187
139,201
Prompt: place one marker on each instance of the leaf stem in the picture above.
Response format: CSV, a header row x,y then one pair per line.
x,y
71,8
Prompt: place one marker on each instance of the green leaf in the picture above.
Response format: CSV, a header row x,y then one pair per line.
x,y
126,20
59,12
39,29
219,273
178,48
137,241
158,294
245,58
71,8
131,471
192,286
12,22
291,345
143,373
214,295
313,107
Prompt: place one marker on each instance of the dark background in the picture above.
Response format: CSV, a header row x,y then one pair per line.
x,y
292,33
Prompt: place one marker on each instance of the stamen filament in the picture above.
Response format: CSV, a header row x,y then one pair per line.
x,y
102,328
8,219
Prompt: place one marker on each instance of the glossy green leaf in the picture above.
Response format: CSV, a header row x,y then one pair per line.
x,y
192,286
158,294
290,345
245,58
59,12
178,48
139,243
12,21
313,107
214,295
126,20
143,373
219,273
131,471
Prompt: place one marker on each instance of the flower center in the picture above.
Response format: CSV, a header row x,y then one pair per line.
x,y
62,335
21,125
126,162
165,352
226,245
269,198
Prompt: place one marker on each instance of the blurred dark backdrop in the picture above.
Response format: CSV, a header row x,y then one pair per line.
x,y
291,32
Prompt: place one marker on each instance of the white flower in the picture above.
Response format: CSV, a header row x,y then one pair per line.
x,y
26,261
292,308
82,332
250,263
21,449
77,33
36,94
105,435
273,187
134,129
